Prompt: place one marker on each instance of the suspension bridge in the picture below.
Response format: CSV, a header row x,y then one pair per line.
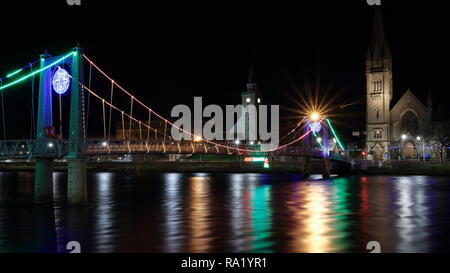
x,y
68,73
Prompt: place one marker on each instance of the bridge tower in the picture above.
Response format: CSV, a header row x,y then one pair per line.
x,y
76,158
43,190
43,178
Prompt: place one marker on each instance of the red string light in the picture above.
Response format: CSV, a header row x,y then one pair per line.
x,y
173,125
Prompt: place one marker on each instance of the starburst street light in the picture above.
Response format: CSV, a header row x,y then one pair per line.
x,y
314,116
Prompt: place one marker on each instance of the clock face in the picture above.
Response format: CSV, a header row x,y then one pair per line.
x,y
61,81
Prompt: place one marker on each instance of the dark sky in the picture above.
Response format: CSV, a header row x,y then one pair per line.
x,y
168,53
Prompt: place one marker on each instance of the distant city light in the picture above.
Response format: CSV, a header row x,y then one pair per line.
x,y
50,145
104,144
266,163
248,100
197,139
237,142
404,137
319,139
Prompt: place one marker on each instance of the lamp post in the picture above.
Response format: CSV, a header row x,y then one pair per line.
x,y
404,137
418,139
423,147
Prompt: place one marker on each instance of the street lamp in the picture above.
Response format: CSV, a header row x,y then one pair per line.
x,y
404,137
315,116
423,147
319,139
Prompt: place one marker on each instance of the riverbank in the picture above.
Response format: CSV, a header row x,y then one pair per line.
x,y
162,167
397,168
410,168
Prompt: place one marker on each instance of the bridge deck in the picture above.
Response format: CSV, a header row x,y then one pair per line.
x,y
58,148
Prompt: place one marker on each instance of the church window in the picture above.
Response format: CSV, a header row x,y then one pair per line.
x,y
409,123
377,86
378,133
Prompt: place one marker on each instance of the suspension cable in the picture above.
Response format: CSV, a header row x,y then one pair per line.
x,y
110,110
173,125
148,129
165,128
89,97
32,105
3,112
123,127
104,120
131,114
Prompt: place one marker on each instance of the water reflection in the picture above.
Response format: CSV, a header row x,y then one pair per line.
x,y
261,219
229,213
311,207
105,219
239,208
199,212
412,212
341,214
173,211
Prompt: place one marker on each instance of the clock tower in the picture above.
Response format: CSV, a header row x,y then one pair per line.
x,y
378,91
251,99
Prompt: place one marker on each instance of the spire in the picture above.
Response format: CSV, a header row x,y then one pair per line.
x,y
379,46
251,82
430,100
251,75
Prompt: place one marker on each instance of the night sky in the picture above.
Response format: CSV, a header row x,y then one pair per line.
x,y
167,54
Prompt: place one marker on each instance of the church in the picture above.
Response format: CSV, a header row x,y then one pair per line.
x,y
393,130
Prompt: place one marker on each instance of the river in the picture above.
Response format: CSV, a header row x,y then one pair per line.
x,y
229,213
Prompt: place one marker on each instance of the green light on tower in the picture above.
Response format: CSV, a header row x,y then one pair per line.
x,y
37,71
335,136
14,73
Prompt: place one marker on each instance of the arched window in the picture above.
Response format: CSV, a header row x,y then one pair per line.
x,y
409,123
378,133
378,114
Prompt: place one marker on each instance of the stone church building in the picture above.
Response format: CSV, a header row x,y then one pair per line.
x,y
393,129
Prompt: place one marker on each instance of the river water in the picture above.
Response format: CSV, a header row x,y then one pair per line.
x,y
229,213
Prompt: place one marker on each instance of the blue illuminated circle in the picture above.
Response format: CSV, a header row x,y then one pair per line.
x,y
61,81
315,127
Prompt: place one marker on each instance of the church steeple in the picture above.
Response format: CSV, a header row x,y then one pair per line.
x,y
379,90
378,54
251,82
430,100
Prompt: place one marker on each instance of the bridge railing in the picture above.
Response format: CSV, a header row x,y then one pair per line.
x,y
33,148
57,148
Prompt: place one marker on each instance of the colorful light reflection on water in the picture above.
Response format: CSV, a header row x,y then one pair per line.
x,y
230,213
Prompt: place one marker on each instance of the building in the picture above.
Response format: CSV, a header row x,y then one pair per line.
x,y
251,97
246,126
398,129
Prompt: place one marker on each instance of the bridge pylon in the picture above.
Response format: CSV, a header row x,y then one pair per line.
x,y
43,177
76,158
